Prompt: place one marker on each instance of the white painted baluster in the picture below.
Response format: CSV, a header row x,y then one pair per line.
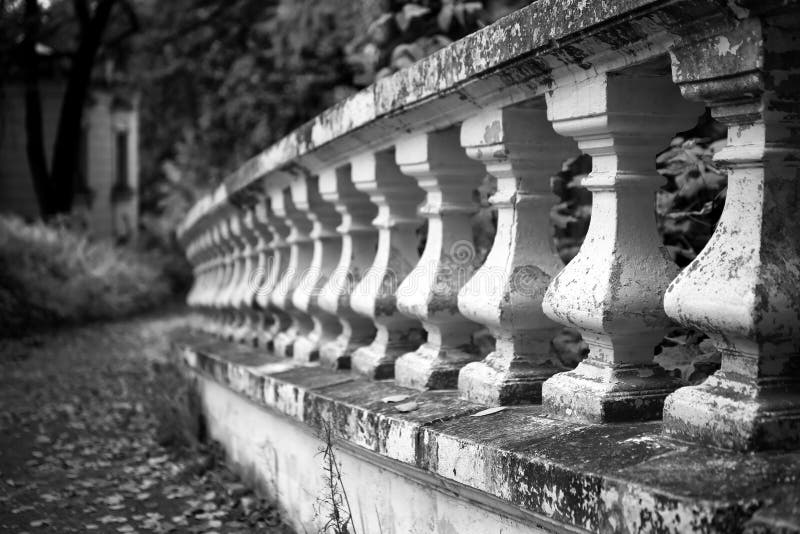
x,y
225,271
519,147
301,249
397,197
243,330
277,266
207,266
429,293
612,290
743,289
191,240
227,296
359,241
211,256
327,249
259,319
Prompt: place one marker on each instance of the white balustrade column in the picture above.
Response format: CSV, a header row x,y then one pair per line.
x,y
429,293
276,267
260,319
244,329
327,249
397,197
519,147
301,249
227,296
612,290
211,257
358,245
225,274
743,289
191,240
211,263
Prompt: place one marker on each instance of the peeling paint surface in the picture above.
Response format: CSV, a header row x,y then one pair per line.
x,y
620,477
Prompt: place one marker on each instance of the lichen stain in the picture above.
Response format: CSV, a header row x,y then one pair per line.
x,y
724,46
493,133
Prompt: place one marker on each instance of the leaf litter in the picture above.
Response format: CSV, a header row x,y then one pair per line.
x,y
88,440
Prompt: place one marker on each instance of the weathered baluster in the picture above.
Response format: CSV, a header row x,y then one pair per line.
x,y
225,271
209,266
612,290
301,249
228,294
205,268
190,240
519,147
743,289
259,320
429,293
327,249
397,197
277,266
243,330
359,239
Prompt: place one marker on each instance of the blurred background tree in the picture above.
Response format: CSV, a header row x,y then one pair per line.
x,y
73,36
221,80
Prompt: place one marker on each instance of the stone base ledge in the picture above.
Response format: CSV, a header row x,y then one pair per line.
x,y
604,478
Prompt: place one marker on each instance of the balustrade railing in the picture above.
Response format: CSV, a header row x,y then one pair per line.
x,y
326,259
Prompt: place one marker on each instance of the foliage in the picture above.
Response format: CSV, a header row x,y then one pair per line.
x,y
222,80
405,32
51,274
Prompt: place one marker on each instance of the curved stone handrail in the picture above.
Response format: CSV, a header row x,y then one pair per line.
x,y
618,79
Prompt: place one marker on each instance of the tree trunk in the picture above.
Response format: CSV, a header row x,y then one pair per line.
x,y
34,139
67,144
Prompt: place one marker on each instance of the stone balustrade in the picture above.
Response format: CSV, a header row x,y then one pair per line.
x,y
359,224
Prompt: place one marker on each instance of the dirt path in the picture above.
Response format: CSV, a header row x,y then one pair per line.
x,y
90,441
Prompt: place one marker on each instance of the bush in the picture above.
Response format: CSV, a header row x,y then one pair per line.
x,y
51,275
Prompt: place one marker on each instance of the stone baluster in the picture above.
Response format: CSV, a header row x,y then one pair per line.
x,y
276,267
258,319
210,266
301,249
358,243
224,272
241,300
191,241
227,295
612,290
397,197
205,267
519,147
429,293
327,250
743,289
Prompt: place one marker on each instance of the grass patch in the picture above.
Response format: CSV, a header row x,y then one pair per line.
x,y
53,275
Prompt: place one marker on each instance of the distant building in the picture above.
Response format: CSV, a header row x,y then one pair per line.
x,y
108,178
